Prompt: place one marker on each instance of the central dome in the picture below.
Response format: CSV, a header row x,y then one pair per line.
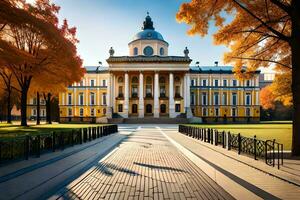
x,y
148,42
148,34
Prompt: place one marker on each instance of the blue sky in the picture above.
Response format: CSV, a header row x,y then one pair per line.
x,y
105,23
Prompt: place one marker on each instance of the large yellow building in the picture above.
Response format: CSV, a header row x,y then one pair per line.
x,y
151,84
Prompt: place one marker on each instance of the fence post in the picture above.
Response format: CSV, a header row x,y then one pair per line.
x,y
216,137
223,139
254,146
239,143
228,141
211,136
273,153
90,134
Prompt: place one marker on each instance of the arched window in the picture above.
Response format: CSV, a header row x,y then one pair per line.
x,y
135,51
120,79
162,51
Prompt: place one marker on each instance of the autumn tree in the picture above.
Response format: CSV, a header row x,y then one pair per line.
x,y
261,33
49,48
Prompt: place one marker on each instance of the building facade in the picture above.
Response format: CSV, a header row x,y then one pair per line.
x,y
149,83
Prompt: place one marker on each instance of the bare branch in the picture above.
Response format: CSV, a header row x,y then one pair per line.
x,y
262,60
280,35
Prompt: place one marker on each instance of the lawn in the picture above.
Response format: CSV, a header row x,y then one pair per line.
x,y
10,130
282,133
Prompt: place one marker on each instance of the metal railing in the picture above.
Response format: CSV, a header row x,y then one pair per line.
x,y
24,147
269,150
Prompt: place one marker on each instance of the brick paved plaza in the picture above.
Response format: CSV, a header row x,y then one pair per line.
x,y
147,162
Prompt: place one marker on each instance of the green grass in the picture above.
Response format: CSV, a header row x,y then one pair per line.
x,y
281,132
15,130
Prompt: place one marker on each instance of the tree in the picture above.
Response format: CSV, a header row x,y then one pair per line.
x,y
267,98
261,33
48,48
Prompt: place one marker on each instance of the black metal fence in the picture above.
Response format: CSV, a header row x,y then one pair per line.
x,y
23,147
269,150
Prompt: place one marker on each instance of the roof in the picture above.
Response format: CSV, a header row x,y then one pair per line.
x,y
99,69
155,58
215,69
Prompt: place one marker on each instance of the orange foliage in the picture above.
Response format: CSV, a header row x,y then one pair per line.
x,y
267,98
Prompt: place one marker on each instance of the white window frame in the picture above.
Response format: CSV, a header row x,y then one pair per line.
x,y
92,94
81,94
233,82
226,83
104,99
92,81
247,113
235,113
104,82
70,99
236,98
218,99
204,97
81,112
216,80
246,98
202,82
224,100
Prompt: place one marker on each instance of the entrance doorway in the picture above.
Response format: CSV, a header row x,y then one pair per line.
x,y
148,108
163,108
134,108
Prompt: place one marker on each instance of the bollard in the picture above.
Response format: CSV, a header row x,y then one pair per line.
x,y
223,139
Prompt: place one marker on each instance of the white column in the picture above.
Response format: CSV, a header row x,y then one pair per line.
x,y
108,100
171,96
141,96
156,95
184,93
189,113
113,92
126,95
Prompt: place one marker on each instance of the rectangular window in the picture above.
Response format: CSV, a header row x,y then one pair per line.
x,y
70,111
120,91
224,98
204,112
92,112
248,83
216,98
193,82
81,112
217,112
234,83
104,82
34,101
248,99
134,91
204,98
92,98
34,112
81,99
216,82
224,83
104,98
92,83
248,112
148,91
120,108
177,107
70,99
192,98
234,98
43,112
233,112
162,91
204,82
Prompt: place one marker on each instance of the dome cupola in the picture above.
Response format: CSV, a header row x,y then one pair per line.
x,y
148,42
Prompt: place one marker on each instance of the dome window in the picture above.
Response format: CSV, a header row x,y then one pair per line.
x,y
135,51
148,51
162,51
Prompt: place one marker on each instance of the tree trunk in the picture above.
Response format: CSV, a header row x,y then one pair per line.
x,y
295,48
24,106
9,107
38,108
48,108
